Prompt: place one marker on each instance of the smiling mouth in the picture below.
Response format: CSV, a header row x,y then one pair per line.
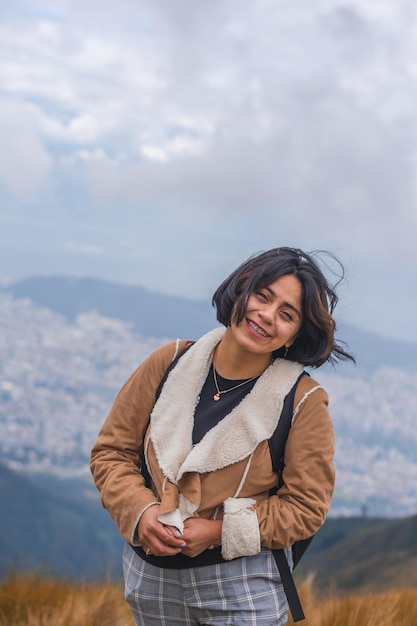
x,y
256,329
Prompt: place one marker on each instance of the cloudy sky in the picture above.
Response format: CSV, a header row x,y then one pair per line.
x,y
161,143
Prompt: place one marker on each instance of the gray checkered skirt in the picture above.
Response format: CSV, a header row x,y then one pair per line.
x,y
242,592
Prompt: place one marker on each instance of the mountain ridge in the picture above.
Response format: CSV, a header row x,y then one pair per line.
x,y
40,530
373,556
158,315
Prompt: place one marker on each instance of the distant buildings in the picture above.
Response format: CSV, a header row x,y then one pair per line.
x,y
58,380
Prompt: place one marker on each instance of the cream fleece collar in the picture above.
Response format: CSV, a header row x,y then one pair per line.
x,y
236,436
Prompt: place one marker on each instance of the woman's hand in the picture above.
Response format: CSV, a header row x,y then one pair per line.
x,y
156,538
199,534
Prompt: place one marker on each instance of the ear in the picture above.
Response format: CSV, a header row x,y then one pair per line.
x,y
290,342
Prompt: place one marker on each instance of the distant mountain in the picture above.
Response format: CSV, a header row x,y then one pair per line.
x,y
372,350
163,316
360,554
152,314
56,527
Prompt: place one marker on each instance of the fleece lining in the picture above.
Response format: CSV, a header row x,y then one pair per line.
x,y
252,421
240,529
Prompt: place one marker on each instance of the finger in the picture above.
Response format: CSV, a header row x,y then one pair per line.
x,y
168,539
162,540
173,531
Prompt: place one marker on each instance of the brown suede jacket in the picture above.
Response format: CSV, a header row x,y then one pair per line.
x,y
228,474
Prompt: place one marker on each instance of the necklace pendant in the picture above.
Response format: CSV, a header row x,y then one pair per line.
x,y
216,397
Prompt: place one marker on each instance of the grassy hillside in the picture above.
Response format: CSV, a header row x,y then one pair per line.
x,y
60,533
359,554
30,600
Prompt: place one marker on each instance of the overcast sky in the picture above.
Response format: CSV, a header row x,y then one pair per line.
x,y
161,143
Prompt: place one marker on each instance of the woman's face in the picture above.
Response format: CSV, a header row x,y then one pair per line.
x,y
272,318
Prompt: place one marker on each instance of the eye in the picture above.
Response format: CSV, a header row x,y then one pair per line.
x,y
262,296
287,315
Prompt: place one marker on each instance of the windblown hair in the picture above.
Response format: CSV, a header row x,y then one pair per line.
x,y
315,343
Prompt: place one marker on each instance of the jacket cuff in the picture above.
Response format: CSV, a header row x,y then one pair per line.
x,y
240,529
134,541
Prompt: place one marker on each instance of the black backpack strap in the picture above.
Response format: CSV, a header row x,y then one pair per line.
x,y
280,435
277,449
169,368
289,585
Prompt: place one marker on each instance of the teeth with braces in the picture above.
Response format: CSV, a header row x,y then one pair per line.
x,y
257,329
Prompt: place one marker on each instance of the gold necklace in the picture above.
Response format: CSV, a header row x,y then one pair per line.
x,y
217,395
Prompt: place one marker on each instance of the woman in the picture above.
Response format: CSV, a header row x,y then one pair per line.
x,y
200,528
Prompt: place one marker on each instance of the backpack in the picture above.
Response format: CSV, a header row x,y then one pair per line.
x,y
277,449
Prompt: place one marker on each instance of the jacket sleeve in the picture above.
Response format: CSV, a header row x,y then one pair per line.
x,y
115,456
300,506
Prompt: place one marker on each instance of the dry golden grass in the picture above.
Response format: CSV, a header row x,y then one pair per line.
x,y
35,600
392,608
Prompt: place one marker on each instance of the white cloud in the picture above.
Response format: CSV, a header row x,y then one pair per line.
x,y
258,121
24,161
83,248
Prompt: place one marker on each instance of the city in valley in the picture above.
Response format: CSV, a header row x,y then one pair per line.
x,y
59,378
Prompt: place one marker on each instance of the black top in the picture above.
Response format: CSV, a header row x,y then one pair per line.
x,y
207,414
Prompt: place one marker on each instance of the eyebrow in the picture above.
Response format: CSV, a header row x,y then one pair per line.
x,y
288,305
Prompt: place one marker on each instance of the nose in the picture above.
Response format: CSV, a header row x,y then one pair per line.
x,y
267,314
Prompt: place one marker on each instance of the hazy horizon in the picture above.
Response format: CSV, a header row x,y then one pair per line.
x,y
161,144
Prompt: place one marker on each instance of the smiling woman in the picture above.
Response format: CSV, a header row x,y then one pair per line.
x,y
269,323
314,343
185,469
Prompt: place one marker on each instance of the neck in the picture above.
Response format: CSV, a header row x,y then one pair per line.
x,y
232,362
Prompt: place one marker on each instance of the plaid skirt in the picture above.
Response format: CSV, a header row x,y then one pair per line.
x,y
242,592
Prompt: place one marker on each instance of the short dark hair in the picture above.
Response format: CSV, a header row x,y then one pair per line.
x,y
315,343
